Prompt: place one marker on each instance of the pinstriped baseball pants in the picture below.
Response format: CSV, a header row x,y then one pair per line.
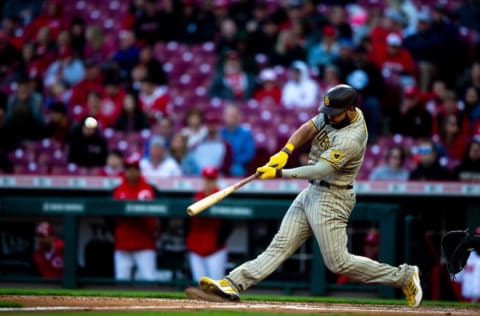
x,y
324,213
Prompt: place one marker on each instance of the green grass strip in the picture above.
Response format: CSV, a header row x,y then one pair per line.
x,y
4,304
180,295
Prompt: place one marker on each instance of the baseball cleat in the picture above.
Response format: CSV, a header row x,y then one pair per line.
x,y
413,289
221,288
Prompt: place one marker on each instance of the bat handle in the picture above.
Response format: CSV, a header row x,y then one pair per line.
x,y
246,180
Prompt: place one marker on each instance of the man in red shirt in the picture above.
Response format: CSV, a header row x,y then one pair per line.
x,y
49,253
206,237
135,237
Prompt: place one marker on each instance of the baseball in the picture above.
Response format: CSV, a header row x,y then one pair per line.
x,y
91,122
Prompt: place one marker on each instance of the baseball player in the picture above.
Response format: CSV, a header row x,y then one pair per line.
x,y
339,137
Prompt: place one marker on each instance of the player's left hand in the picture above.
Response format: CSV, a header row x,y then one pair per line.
x,y
267,172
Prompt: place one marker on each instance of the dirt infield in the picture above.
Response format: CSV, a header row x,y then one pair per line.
x,y
71,303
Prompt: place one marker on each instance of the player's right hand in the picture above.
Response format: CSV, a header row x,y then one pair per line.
x,y
279,160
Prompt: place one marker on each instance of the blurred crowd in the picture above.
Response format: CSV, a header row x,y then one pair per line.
x,y
221,83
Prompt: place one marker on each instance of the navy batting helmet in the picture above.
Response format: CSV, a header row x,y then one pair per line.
x,y
338,99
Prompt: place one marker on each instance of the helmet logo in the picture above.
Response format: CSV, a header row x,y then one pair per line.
x,y
326,100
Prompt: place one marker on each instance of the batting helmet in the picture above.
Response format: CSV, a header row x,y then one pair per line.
x,y
338,99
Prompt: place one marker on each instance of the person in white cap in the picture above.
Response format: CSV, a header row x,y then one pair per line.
x,y
269,89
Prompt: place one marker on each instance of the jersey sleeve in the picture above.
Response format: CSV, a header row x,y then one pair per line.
x,y
318,121
341,151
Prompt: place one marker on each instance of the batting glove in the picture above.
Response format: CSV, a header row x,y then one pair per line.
x,y
279,160
267,172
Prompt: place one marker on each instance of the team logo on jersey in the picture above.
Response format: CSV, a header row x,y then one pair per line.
x,y
336,155
326,100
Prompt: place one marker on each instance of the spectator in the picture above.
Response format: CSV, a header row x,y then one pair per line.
x,y
269,91
396,63
51,17
96,48
23,117
44,51
190,27
164,128
330,78
240,139
448,60
159,163
452,139
366,78
422,46
469,168
93,81
413,118
87,147
153,66
152,25
135,237
290,45
232,83
77,36
471,103
154,98
213,151
48,255
127,55
59,124
178,148
68,69
391,22
300,90
195,130
326,51
206,237
393,169
114,165
228,39
112,101
131,118
429,167
263,40
472,77
450,105
9,55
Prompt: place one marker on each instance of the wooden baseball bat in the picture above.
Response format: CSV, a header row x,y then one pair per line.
x,y
208,201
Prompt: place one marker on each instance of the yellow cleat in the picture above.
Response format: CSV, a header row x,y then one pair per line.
x,y
222,288
413,289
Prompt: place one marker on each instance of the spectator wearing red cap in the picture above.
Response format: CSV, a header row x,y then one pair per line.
x,y
206,237
135,236
326,51
48,255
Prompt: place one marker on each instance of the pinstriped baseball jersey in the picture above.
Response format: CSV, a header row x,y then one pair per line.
x,y
324,212
342,148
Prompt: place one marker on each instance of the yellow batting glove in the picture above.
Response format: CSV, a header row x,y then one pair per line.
x,y
279,160
267,172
